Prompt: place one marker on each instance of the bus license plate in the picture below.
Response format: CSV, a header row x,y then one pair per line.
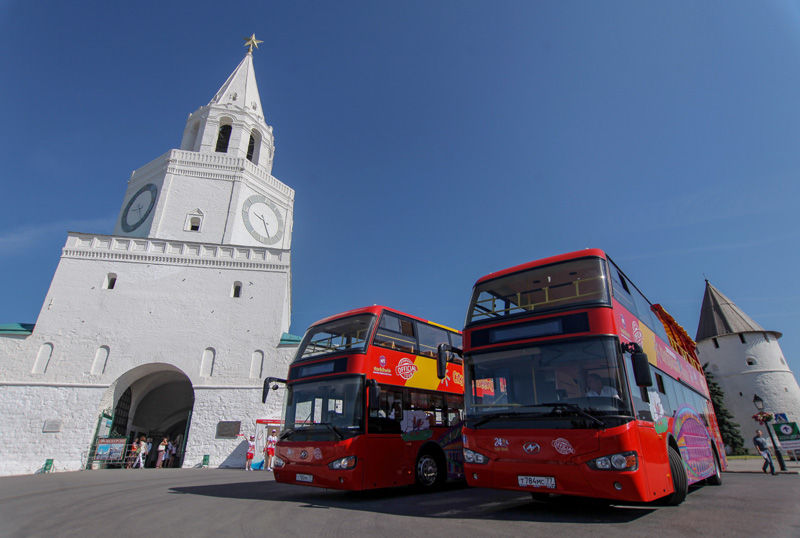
x,y
548,482
304,477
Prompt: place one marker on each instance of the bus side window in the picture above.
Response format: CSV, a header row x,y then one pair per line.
x,y
455,404
397,333
639,398
429,339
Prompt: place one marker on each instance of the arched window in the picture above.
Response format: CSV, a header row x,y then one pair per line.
x,y
223,138
194,224
100,361
43,359
751,361
256,364
251,146
207,362
111,281
236,291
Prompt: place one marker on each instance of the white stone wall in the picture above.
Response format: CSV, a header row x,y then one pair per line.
x,y
171,302
769,377
25,408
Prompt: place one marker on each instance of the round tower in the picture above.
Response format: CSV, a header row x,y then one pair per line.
x,y
745,360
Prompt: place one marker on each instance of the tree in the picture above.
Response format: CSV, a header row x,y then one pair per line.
x,y
728,428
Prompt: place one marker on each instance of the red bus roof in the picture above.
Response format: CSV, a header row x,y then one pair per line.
x,y
545,261
377,309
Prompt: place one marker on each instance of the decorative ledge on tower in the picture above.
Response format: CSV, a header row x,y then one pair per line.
x,y
720,316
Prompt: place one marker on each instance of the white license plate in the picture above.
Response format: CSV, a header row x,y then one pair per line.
x,y
548,482
307,477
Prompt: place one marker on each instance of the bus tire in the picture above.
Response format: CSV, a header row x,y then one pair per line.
x,y
430,471
716,478
679,480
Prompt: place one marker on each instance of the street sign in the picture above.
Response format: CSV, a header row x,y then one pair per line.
x,y
781,418
788,434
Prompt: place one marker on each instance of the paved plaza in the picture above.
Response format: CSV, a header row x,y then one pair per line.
x,y
212,502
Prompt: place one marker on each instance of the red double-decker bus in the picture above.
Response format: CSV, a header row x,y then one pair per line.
x,y
577,385
366,406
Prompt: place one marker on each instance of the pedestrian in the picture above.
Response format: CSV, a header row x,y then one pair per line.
x,y
133,451
162,453
251,451
171,450
272,440
141,454
761,445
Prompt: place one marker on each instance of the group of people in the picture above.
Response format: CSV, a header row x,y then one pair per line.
x,y
269,451
144,451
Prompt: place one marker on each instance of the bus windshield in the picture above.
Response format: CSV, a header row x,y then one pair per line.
x,y
562,385
537,290
346,334
331,409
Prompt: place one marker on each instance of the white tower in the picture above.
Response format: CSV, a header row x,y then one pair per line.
x,y
745,360
167,327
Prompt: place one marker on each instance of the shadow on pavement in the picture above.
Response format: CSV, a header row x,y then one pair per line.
x,y
454,501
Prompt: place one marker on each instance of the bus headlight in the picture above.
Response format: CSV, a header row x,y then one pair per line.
x,y
277,462
623,461
343,464
471,456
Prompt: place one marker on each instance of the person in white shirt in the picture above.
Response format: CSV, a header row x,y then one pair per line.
x,y
596,387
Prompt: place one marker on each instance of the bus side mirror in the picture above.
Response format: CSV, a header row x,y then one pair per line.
x,y
265,391
443,353
374,394
641,369
267,382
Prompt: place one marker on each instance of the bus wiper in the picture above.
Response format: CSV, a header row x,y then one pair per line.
x,y
578,409
332,428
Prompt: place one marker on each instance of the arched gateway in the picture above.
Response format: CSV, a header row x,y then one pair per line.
x,y
153,400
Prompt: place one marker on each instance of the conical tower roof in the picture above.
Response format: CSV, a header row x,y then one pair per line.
x,y
241,89
720,316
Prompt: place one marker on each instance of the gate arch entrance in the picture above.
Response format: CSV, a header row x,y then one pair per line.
x,y
154,400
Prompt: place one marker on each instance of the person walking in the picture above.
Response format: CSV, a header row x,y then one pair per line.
x,y
141,453
162,453
133,451
761,445
272,440
251,451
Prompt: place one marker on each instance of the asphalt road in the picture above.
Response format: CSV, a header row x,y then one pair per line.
x,y
203,502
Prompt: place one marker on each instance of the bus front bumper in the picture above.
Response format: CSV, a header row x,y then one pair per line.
x,y
320,476
561,479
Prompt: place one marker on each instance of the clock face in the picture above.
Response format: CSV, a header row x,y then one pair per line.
x,y
139,207
263,219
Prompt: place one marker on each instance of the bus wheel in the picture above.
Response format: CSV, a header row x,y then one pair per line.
x,y
716,478
679,480
430,472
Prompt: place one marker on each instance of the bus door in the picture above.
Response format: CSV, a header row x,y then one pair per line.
x,y
653,453
388,459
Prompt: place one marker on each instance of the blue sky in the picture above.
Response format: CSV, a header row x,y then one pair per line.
x,y
430,143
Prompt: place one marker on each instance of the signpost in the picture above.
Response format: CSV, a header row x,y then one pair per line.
x,y
788,434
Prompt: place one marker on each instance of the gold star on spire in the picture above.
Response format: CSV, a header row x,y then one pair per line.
x,y
251,42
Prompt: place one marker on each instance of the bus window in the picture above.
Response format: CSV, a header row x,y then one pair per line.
x,y
397,333
641,404
389,415
429,339
455,340
455,404
622,289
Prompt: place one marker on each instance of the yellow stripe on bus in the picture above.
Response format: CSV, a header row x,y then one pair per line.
x,y
442,326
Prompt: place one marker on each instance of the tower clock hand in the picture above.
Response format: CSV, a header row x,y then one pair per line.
x,y
261,217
